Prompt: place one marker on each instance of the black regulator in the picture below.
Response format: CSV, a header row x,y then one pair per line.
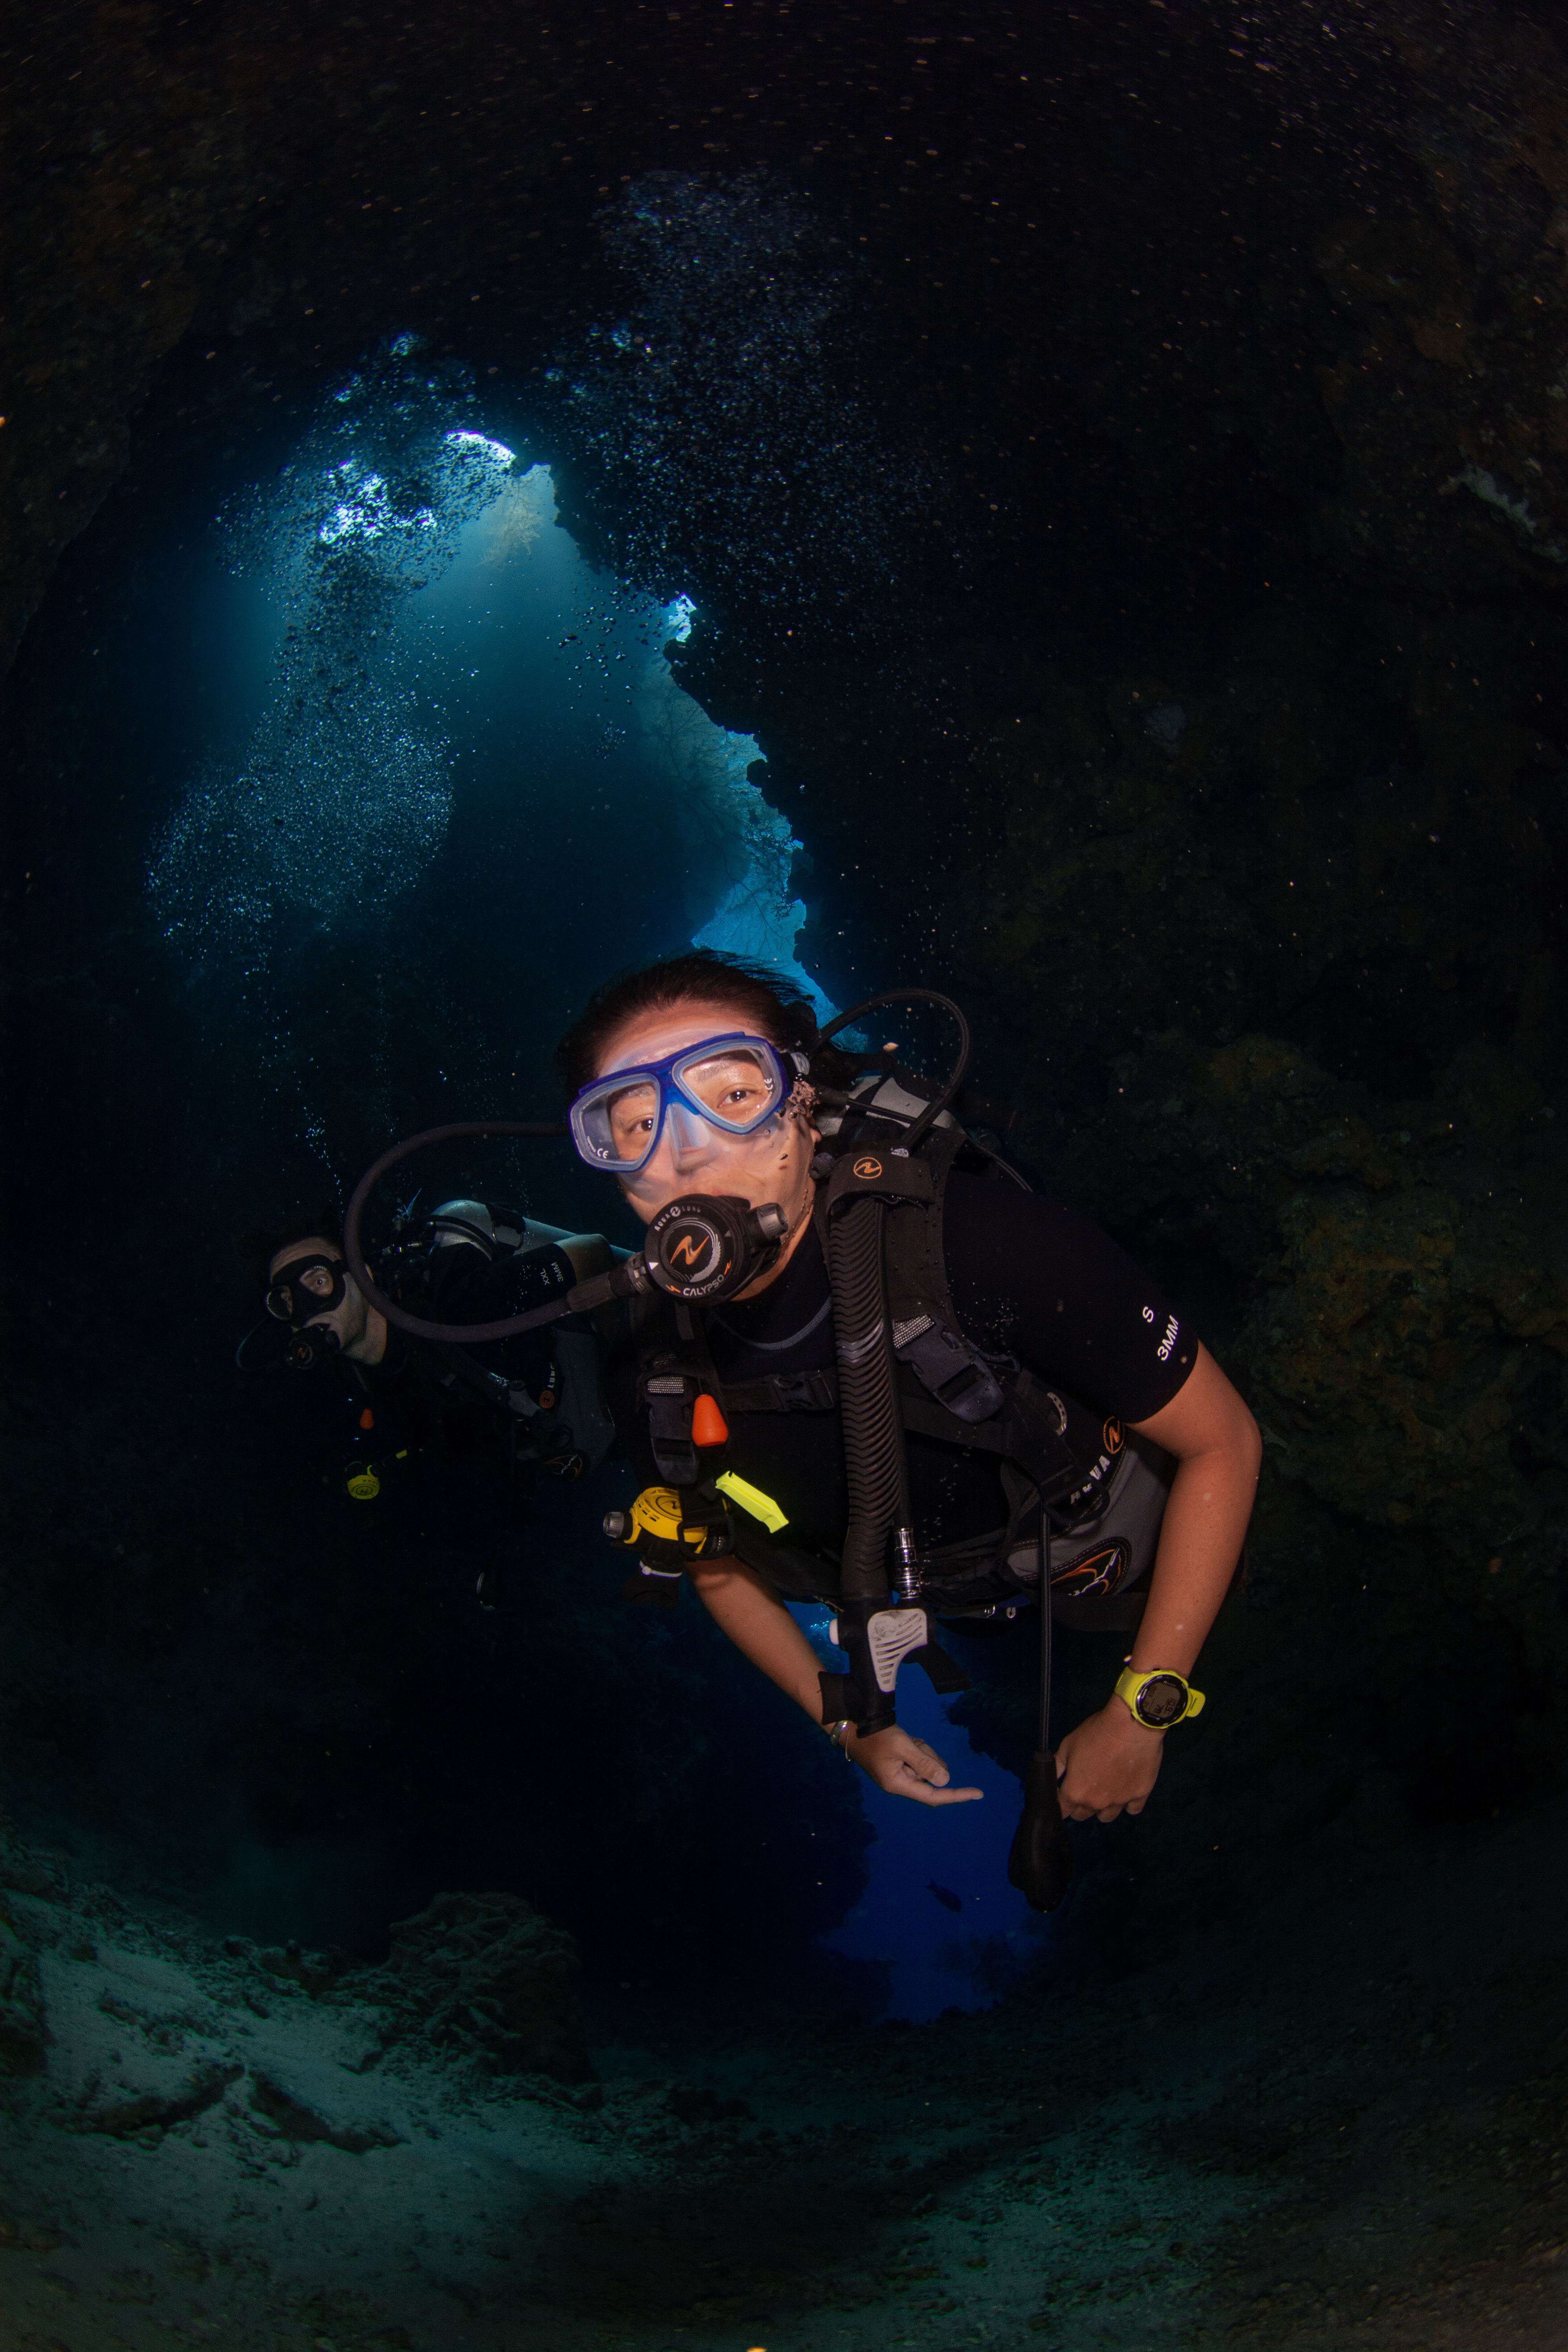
x,y
311,1346
712,1245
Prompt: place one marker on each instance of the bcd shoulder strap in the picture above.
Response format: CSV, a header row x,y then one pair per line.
x,y
948,1389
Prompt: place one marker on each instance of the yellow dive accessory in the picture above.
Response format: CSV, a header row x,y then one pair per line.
x,y
362,1480
752,1499
666,1533
1158,1697
656,1513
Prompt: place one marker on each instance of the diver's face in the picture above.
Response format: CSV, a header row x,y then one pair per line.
x,y
350,1317
694,1156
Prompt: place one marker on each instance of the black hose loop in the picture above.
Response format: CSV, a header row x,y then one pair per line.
x,y
461,1335
934,1110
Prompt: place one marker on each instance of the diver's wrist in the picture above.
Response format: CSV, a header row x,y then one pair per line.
x,y
1118,1713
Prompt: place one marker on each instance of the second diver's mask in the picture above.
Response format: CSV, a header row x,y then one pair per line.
x,y
294,1298
734,1083
299,1300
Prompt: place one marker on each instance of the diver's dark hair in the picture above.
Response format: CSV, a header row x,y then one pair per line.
x,y
701,975
259,1245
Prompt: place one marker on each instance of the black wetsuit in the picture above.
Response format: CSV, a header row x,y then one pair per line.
x,y
423,1396
1030,1279
461,1461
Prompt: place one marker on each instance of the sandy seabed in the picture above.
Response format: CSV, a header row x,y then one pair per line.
x,y
1341,2121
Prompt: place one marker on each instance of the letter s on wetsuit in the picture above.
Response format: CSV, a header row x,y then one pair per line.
x,y
1031,1280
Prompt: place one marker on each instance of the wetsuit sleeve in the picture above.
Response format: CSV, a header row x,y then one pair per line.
x,y
1034,1279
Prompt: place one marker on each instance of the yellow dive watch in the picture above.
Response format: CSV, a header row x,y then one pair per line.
x,y
1160,1697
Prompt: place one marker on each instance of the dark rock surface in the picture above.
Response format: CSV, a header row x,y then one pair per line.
x,y
23,2034
300,2119
1372,259
486,1974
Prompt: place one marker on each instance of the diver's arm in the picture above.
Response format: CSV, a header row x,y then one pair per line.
x,y
1218,1451
1112,1761
763,1630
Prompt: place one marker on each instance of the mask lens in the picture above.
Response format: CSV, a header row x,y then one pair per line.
x,y
315,1286
736,1088
618,1123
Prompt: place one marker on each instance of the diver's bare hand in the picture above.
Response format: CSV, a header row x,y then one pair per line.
x,y
906,1767
1108,1765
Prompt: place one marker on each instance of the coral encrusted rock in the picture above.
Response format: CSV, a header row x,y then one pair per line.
x,y
488,1974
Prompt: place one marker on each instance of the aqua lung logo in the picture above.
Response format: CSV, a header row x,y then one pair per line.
x,y
867,1168
693,1249
1099,1573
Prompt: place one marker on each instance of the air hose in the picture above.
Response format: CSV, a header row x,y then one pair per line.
x,y
703,1245
1040,1862
947,1093
581,1300
868,1395
873,1446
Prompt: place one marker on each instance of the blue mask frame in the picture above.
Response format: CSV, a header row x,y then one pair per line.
x,y
589,1114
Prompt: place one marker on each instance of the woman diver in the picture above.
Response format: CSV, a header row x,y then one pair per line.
x,y
694,1076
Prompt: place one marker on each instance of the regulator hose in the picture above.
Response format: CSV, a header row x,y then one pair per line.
x,y
581,1300
873,1439
868,1395
1040,1862
938,1102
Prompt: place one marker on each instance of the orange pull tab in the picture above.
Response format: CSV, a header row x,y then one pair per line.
x,y
708,1424
367,1419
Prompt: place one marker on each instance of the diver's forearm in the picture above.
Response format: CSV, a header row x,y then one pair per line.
x,y
763,1631
1200,1542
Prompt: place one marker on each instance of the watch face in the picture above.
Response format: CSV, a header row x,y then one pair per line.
x,y
1161,1700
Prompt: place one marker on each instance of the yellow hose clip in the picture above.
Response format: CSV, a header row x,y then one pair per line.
x,y
752,1499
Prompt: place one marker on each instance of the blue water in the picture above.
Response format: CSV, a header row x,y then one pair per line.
x,y
938,1958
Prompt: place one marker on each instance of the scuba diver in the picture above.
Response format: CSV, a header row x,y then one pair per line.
x,y
865,1364
487,1420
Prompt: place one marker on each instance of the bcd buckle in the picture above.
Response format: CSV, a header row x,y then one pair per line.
x,y
955,1374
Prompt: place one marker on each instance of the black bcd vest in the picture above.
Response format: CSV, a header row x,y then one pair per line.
x,y
1048,1449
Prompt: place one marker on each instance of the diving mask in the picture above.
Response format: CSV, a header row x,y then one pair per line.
x,y
734,1082
307,1288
